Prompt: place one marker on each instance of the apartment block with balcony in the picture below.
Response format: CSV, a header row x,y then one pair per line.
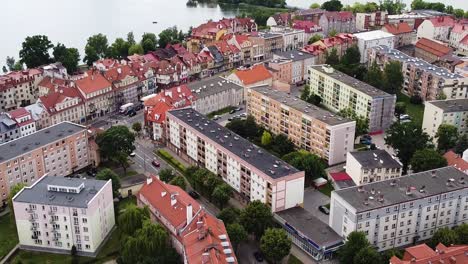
x,y
292,38
399,212
19,88
56,213
251,171
308,127
372,166
369,39
453,112
421,78
58,150
340,91
366,21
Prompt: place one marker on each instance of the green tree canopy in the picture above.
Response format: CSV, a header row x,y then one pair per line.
x,y
132,219
169,36
245,128
107,174
392,6
462,144
392,77
458,13
35,51
462,232
91,55
135,49
13,65
15,189
406,139
221,194
136,127
256,218
314,39
130,38
367,255
332,57
445,236
275,244
119,49
97,47
237,234
229,215
447,136
166,175
149,42
400,108
374,76
355,242
311,164
427,159
352,56
332,5
362,123
116,144
69,57
266,138
282,145
179,181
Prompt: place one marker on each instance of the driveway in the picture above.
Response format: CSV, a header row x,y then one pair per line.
x,y
312,200
379,141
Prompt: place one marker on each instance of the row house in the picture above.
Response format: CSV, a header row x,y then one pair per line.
x,y
15,124
206,61
292,38
244,45
340,42
413,19
296,73
369,21
146,75
422,254
195,234
339,21
310,28
271,42
126,86
420,77
404,34
258,49
232,56
458,33
313,14
97,93
437,28
19,88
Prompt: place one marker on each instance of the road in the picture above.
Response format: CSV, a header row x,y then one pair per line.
x,y
224,119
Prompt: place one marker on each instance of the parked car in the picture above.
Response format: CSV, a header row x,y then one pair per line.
x,y
258,256
366,136
132,113
156,163
244,115
405,117
216,117
232,111
324,209
194,194
238,108
365,141
133,154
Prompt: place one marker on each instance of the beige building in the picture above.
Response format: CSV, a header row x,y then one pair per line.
x,y
307,126
97,94
453,112
19,88
372,166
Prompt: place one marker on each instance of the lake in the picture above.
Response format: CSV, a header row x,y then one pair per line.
x,y
72,24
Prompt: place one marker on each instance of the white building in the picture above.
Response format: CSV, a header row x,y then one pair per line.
x,y
372,166
292,38
437,28
369,39
57,213
402,211
251,171
453,112
366,21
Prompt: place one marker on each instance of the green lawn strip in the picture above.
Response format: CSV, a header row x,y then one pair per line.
x,y
293,260
416,112
220,111
171,160
9,236
326,189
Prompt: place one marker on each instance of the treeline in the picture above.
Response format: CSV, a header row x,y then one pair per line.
x,y
267,3
438,6
391,6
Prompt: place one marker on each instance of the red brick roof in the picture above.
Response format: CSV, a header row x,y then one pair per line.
x,y
93,82
119,73
18,113
464,40
397,29
460,28
18,77
173,98
433,47
456,161
422,254
443,21
340,176
339,15
253,75
51,100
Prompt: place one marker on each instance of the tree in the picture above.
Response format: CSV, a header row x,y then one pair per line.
x,y
311,164
314,39
392,6
229,215
245,128
462,144
332,33
96,48
136,127
35,51
10,62
4,69
352,56
315,6
355,242
393,77
400,108
13,191
418,5
116,144
374,76
237,234
462,232
447,136
367,255
149,42
119,49
69,57
221,195
332,57
169,36
135,49
282,145
107,174
449,9
445,236
458,13
427,159
275,244
256,218
332,5
179,181
130,38
406,139
266,138
210,182
166,175
132,219
362,123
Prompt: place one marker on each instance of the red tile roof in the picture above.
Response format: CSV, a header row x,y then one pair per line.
x,y
340,176
18,113
307,26
433,47
339,15
397,29
51,100
93,82
173,98
460,28
443,21
456,161
422,254
18,77
253,75
119,73
464,40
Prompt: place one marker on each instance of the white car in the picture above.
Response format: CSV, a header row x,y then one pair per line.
x,y
405,117
133,154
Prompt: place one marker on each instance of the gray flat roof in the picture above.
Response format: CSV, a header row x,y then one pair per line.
x,y
294,55
259,158
353,82
38,139
431,183
302,106
265,34
38,193
210,86
306,223
421,64
378,158
451,105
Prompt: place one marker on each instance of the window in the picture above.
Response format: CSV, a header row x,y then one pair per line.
x,y
85,229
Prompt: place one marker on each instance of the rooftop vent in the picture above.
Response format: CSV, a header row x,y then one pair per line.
x,y
422,189
433,174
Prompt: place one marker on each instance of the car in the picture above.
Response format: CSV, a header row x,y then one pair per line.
x,y
194,194
243,115
216,117
324,209
133,154
258,256
404,117
366,136
230,119
156,163
132,113
232,111
238,108
405,121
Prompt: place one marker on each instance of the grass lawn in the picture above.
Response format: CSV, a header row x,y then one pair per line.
x,y
171,160
293,260
220,111
360,147
416,112
9,237
326,189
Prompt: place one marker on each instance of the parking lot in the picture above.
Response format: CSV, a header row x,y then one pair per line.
x,y
312,200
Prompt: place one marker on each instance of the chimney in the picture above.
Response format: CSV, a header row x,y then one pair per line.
x,y
433,174
173,199
189,213
149,180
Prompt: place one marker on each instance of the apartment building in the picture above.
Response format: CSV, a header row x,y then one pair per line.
x,y
423,254
458,33
453,112
420,77
19,88
404,34
372,166
340,91
369,39
62,104
402,211
339,21
126,85
292,38
308,127
58,150
15,124
251,171
97,93
413,19
321,48
56,213
367,21
436,28
300,62
196,235
271,42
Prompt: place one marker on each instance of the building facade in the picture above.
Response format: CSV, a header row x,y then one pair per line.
x,y
56,213
340,91
402,211
436,28
372,166
251,171
452,112
19,88
292,38
307,126
300,62
404,34
367,21
340,22
367,40
97,93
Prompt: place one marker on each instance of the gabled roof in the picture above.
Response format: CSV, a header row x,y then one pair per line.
x,y
93,82
400,28
460,28
51,100
442,21
18,113
464,41
173,98
423,254
119,73
16,77
339,15
253,75
307,26
456,161
433,47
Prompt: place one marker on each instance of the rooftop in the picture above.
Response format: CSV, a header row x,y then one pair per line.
x,y
302,106
210,86
404,189
423,254
353,82
451,105
252,154
455,160
39,192
38,139
374,34
294,55
433,47
252,75
378,158
399,28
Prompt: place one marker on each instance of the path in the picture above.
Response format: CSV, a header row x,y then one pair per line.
x,y
8,256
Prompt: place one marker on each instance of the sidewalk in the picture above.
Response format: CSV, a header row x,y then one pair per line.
x,y
8,256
